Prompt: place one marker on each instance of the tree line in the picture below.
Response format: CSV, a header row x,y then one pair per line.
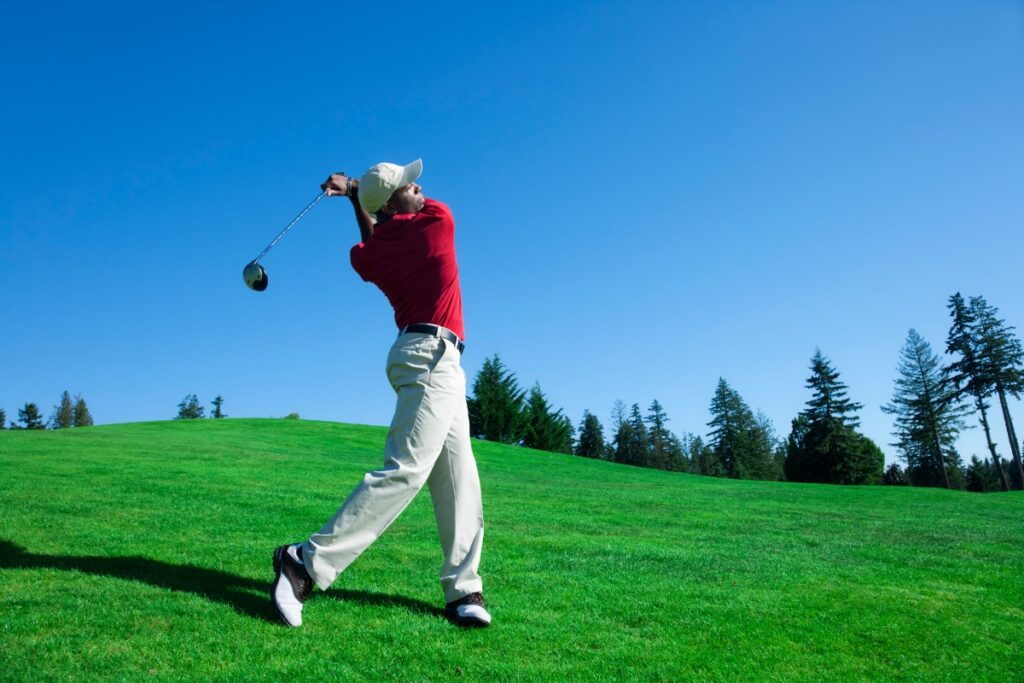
x,y
930,404
191,409
66,414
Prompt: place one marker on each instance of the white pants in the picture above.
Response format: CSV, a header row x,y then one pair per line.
x,y
428,442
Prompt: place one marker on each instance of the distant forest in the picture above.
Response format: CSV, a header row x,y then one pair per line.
x,y
932,403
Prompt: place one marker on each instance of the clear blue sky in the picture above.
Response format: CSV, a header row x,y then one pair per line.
x,y
648,196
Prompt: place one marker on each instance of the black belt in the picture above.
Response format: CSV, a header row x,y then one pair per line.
x,y
435,330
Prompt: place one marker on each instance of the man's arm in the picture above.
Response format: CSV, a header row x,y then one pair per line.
x,y
340,185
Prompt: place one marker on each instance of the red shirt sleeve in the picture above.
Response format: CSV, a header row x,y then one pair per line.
x,y
361,261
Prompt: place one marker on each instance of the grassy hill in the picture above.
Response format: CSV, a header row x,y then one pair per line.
x,y
143,551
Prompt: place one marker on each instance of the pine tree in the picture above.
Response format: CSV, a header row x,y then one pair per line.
x,y
967,373
894,476
744,444
218,402
980,476
3,419
703,459
189,408
929,415
30,418
659,439
823,444
545,429
631,440
728,431
81,416
591,440
496,408
1002,362
63,413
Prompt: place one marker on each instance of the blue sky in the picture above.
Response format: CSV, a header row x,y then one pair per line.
x,y
647,196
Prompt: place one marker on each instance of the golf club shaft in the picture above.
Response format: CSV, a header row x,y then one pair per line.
x,y
289,227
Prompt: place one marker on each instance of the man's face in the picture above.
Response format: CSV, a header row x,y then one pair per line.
x,y
406,199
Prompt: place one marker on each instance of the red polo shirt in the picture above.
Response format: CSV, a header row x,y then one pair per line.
x,y
411,258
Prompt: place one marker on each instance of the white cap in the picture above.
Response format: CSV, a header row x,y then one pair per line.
x,y
380,182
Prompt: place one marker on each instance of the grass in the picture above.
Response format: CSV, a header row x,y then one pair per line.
x,y
143,551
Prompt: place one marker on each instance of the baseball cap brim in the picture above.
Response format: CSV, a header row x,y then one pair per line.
x,y
411,172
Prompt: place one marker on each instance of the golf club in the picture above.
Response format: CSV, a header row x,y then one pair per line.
x,y
254,274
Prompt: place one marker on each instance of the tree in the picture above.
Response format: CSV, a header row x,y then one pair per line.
x,y
823,444
929,415
744,445
980,476
3,419
496,408
81,416
703,459
894,476
631,440
663,449
189,408
591,437
545,429
217,404
1001,359
967,373
63,413
30,418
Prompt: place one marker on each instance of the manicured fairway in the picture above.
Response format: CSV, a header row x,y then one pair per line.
x,y
142,551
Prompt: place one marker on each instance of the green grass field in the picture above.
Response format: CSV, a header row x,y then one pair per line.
x,y
142,551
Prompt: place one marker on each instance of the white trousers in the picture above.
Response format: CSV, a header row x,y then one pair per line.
x,y
428,443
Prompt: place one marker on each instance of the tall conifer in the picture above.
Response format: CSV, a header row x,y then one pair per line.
x,y
967,372
81,416
824,445
63,413
1002,361
929,416
545,429
590,443
496,408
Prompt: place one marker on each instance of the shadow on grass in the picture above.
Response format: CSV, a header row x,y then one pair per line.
x,y
244,595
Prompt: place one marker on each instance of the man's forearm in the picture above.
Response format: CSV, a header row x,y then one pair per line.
x,y
364,219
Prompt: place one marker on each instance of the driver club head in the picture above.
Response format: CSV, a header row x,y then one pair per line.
x,y
255,277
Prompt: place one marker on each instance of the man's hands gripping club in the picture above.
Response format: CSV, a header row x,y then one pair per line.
x,y
340,185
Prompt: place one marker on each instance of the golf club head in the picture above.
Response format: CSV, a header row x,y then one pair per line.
x,y
255,277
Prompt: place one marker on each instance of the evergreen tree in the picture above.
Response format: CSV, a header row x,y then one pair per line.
x,y
894,476
631,440
980,476
218,403
30,418
3,419
967,373
767,453
189,408
591,440
823,444
81,416
1001,359
703,459
545,429
728,431
496,408
63,413
744,445
661,443
929,415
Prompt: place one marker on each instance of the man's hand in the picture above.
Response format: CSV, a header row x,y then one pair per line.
x,y
338,185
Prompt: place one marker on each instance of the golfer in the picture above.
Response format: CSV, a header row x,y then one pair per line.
x,y
407,249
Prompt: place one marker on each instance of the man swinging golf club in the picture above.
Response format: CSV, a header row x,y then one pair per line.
x,y
407,249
